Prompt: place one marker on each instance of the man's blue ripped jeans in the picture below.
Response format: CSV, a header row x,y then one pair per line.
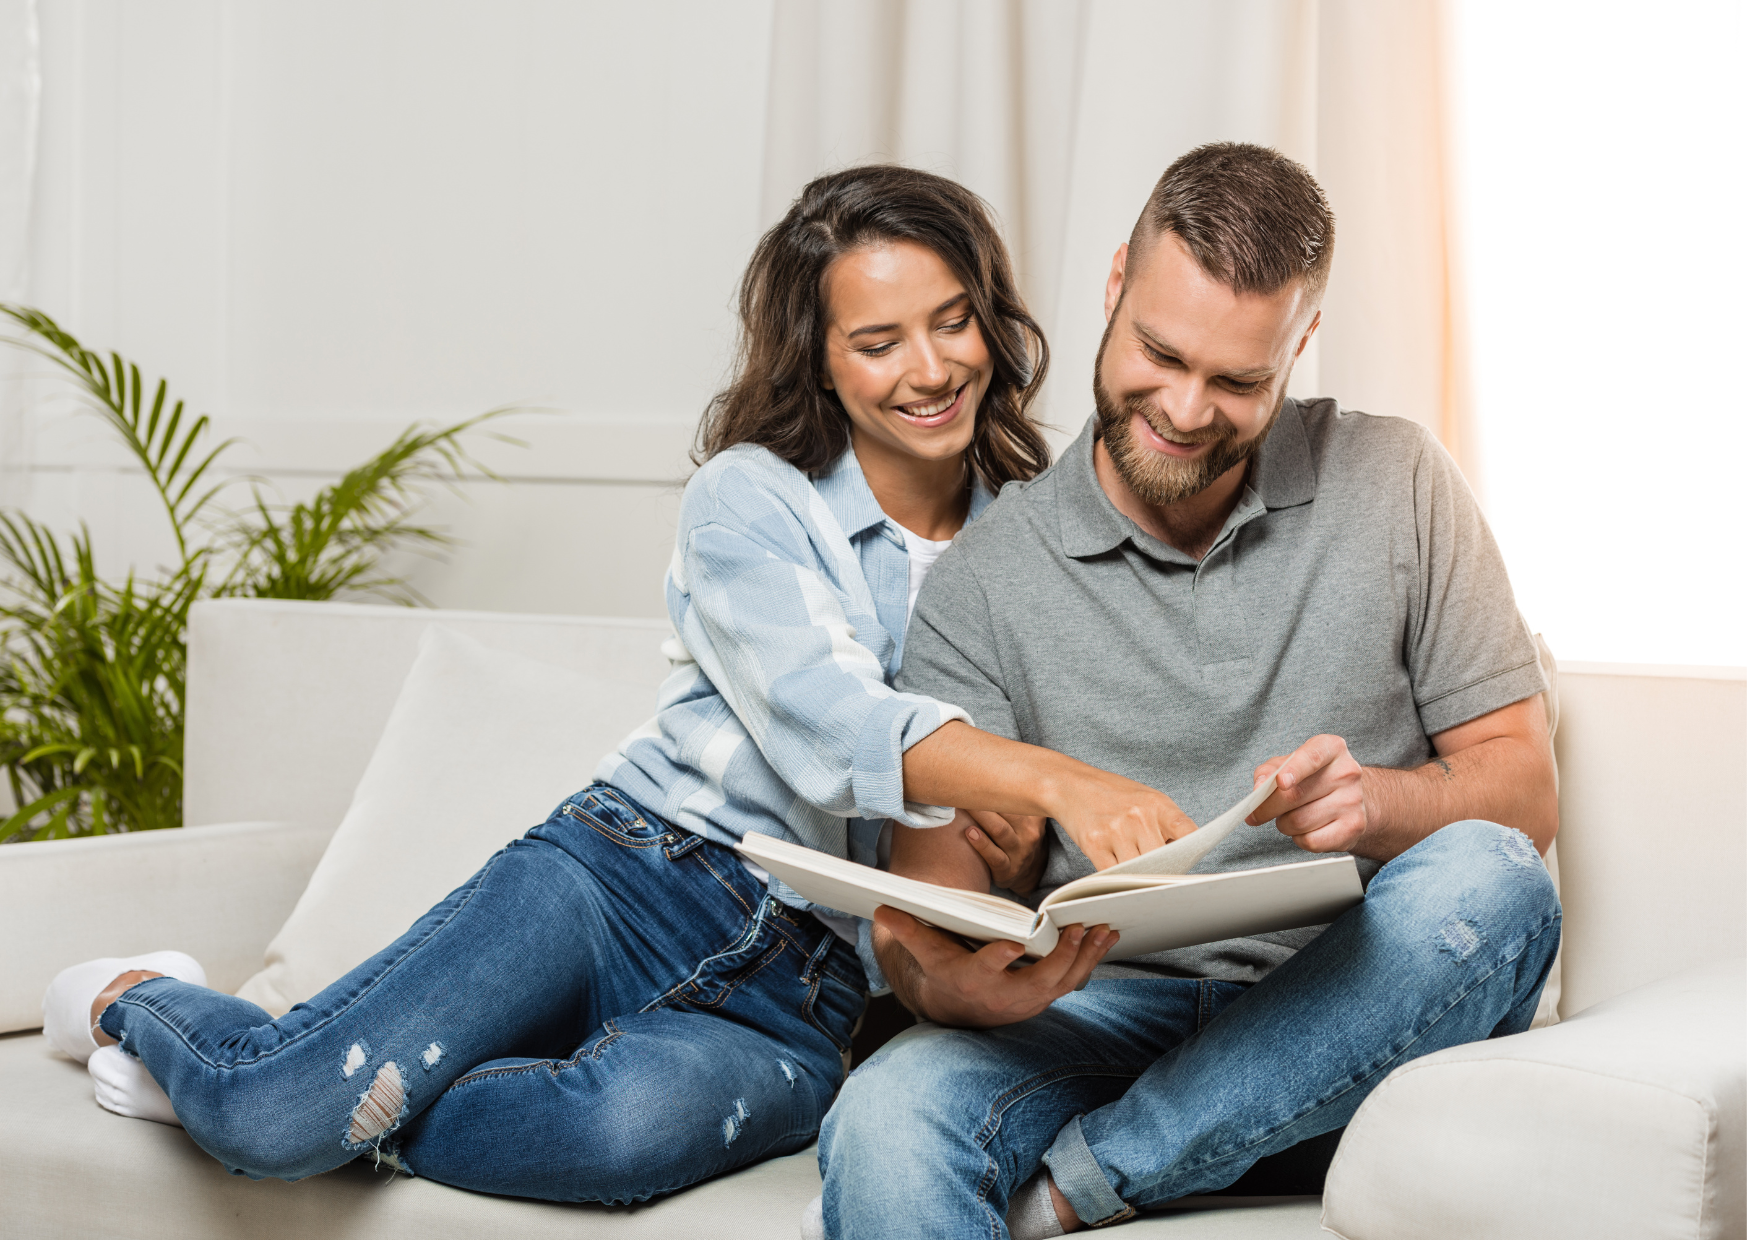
x,y
611,1009
1136,1092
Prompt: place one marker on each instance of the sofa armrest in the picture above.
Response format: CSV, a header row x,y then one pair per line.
x,y
217,893
1624,1120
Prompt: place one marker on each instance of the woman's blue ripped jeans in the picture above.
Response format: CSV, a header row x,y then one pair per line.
x,y
1139,1091
610,1010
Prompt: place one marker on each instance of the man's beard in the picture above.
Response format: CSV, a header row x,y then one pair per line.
x,y
1155,478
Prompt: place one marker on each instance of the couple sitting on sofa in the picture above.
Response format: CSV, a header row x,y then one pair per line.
x,y
1215,584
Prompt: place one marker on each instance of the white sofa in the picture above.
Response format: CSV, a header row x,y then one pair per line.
x,y
1625,1120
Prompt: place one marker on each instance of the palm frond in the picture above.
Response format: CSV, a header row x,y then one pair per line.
x,y
172,454
91,695
334,542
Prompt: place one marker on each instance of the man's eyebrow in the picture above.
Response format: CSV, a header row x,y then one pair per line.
x,y
876,328
1244,376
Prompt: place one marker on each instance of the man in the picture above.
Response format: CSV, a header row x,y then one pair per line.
x,y
1210,575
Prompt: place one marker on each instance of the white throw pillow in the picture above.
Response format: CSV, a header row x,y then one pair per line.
x,y
481,746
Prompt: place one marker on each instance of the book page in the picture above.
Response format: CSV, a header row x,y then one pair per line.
x,y
1204,908
1177,857
859,889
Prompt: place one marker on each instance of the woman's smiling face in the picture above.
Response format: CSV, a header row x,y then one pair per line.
x,y
903,352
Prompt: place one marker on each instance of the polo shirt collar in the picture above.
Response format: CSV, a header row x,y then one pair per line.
x,y
1283,477
1091,524
845,490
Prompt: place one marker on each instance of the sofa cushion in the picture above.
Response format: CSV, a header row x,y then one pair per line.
x,y
481,746
69,1169
1624,1120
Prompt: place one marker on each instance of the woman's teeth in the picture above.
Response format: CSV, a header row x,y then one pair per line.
x,y
932,408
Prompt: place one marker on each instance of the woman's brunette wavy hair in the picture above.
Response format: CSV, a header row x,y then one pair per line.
x,y
777,398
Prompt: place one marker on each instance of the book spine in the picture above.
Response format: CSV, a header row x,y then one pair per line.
x,y
1043,940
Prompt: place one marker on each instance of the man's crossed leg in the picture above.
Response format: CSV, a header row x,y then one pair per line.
x,y
1135,1092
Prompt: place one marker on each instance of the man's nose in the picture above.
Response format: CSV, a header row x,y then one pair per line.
x,y
1189,405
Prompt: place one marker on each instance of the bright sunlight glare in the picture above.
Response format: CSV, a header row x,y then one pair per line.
x,y
1600,155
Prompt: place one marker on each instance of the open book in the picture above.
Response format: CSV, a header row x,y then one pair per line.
x,y
1150,899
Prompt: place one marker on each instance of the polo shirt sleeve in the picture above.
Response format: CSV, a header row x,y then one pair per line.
x,y
1469,651
950,646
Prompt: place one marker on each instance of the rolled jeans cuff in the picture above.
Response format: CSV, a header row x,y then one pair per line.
x,y
1080,1179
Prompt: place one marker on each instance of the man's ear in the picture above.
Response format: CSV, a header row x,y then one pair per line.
x,y
1114,281
1309,332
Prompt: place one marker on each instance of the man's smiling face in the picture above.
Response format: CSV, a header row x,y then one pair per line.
x,y
1190,374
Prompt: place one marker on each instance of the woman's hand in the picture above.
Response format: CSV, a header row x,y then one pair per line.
x,y
1011,845
1113,819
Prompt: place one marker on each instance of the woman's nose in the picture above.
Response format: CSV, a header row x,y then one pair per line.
x,y
930,371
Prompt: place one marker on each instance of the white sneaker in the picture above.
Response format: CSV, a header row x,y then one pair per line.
x,y
813,1220
124,1086
66,1004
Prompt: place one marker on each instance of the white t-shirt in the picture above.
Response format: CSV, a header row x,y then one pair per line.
x,y
923,553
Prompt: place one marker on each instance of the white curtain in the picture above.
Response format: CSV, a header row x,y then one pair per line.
x,y
20,101
1062,114
20,113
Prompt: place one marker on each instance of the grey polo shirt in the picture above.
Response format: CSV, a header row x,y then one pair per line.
x,y
1355,589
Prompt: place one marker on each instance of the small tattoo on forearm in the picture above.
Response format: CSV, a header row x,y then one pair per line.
x,y
1444,766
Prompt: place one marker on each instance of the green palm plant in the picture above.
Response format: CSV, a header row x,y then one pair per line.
x,y
92,689
92,673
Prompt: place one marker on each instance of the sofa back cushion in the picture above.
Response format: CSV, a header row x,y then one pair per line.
x,y
1652,841
286,700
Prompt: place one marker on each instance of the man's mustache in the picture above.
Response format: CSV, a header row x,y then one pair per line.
x,y
1154,416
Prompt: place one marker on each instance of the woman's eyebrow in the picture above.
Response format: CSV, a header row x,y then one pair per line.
x,y
875,328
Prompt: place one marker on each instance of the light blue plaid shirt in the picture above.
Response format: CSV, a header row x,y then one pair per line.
x,y
789,594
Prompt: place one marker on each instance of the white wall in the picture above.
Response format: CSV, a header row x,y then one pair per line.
x,y
325,220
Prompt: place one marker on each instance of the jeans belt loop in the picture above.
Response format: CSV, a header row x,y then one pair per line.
x,y
816,962
680,843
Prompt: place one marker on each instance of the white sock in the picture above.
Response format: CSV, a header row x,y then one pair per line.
x,y
813,1220
66,1005
125,1087
1031,1215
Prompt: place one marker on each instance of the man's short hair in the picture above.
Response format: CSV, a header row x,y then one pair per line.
x,y
1251,218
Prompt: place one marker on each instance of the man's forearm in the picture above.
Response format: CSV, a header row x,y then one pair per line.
x,y
903,973
1507,780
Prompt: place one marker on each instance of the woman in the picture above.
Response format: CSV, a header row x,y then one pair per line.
x,y
616,1006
